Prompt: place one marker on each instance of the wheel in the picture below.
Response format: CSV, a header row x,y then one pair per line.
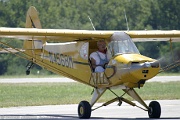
x,y
154,109
27,72
84,110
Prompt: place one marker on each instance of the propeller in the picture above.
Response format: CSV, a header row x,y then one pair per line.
x,y
169,61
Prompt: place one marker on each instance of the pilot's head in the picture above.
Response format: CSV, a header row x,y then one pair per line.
x,y
101,44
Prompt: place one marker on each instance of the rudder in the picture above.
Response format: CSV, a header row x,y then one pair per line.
x,y
32,21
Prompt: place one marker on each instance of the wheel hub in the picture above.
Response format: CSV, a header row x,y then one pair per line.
x,y
81,110
150,111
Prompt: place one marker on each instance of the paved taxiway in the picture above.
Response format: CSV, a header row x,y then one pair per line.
x,y
170,110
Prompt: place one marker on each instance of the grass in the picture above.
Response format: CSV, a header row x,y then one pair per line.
x,y
168,74
72,93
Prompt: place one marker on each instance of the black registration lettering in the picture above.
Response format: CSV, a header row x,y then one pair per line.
x,y
61,59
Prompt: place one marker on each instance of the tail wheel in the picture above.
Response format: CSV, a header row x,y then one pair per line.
x,y
154,110
84,110
27,72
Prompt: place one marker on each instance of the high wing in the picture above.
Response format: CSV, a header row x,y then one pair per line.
x,y
59,35
155,35
65,35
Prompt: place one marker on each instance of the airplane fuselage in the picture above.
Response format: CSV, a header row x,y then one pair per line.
x,y
126,67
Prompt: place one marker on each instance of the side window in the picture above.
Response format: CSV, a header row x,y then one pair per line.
x,y
84,51
113,48
110,49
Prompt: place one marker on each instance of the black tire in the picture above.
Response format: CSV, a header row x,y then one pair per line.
x,y
84,110
27,72
154,109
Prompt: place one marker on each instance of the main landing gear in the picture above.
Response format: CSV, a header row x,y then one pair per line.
x,y
85,108
154,110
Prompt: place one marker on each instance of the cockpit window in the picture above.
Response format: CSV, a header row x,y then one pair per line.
x,y
121,43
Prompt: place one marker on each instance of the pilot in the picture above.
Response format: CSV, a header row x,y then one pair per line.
x,y
99,59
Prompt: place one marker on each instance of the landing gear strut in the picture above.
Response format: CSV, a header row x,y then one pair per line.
x,y
85,109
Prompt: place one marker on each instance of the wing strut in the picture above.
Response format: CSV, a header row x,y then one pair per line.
x,y
174,63
171,48
170,66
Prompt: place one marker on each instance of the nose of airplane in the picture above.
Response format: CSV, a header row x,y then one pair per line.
x,y
132,70
145,70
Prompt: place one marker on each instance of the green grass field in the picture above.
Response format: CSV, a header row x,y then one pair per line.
x,y
72,93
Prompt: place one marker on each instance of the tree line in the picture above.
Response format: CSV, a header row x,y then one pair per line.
x,y
105,15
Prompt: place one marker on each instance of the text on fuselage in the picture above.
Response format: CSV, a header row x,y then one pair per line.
x,y
61,59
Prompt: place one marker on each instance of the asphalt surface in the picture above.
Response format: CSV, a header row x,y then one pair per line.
x,y
170,109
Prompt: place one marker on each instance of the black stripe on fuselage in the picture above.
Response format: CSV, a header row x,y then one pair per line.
x,y
82,63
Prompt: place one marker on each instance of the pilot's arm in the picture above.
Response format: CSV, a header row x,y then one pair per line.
x,y
93,63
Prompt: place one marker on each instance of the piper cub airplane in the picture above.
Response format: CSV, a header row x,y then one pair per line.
x,y
66,52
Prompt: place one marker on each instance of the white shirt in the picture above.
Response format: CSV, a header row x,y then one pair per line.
x,y
95,56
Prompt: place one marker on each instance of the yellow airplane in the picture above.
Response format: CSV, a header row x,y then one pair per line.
x,y
66,52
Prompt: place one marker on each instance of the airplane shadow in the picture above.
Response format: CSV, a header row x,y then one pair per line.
x,y
71,117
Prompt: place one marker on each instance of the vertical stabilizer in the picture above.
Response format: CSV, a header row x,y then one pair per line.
x,y
32,21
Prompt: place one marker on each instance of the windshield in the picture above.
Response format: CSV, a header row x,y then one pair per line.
x,y
121,43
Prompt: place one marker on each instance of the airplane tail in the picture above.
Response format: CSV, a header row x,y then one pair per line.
x,y
32,21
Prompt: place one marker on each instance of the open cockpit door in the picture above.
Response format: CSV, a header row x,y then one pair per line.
x,y
98,79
